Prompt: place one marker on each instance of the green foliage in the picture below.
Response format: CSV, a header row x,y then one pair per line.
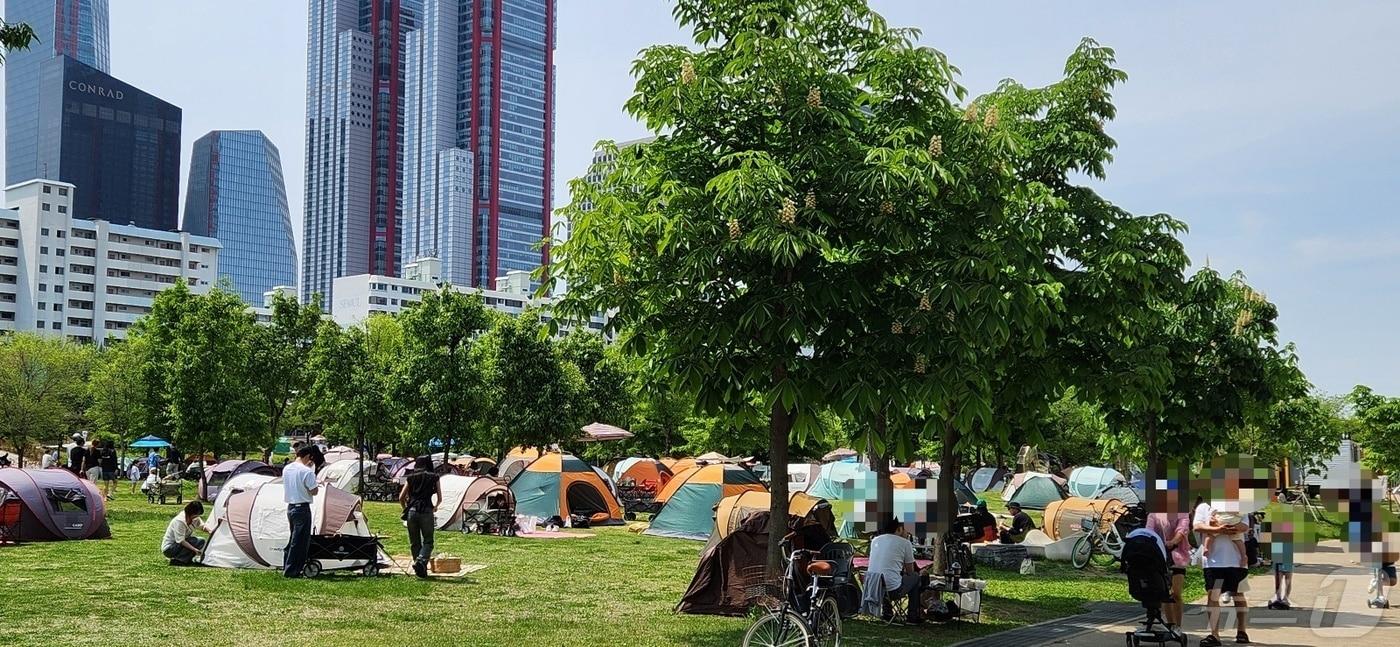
x,y
441,381
281,350
42,388
199,375
1072,431
348,390
118,404
607,378
15,36
538,398
1377,429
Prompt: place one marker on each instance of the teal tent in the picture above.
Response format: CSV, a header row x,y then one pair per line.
x,y
150,442
1087,481
1035,490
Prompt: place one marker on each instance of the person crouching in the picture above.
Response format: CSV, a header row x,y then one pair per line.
x,y
179,544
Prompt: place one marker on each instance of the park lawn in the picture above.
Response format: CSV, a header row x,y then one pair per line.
x,y
615,588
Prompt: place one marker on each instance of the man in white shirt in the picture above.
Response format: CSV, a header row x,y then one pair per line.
x,y
892,559
298,489
1223,573
179,544
47,460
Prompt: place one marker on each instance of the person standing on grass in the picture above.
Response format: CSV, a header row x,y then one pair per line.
x,y
134,473
298,489
180,545
107,460
77,456
420,496
1223,572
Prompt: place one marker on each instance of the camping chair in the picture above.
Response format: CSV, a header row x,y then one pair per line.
x,y
898,604
843,581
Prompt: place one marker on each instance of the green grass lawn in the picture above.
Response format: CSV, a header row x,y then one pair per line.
x,y
615,588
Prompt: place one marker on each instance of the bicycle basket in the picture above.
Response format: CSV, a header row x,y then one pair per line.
x,y
1088,524
759,587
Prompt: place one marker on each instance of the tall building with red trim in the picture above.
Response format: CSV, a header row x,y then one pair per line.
x,y
479,137
354,139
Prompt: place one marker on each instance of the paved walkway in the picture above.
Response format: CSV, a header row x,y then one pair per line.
x,y
1329,598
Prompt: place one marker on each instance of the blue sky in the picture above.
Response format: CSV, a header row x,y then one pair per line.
x,y
1268,126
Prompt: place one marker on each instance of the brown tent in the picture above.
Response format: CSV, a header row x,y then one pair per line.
x,y
726,569
1062,518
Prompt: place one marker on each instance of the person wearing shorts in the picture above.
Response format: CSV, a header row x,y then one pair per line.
x,y
107,461
1223,574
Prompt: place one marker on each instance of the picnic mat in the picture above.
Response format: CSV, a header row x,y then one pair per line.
x,y
557,534
396,569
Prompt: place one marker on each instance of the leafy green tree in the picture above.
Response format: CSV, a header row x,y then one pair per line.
x,y
538,398
1377,429
348,390
42,382
608,395
440,380
281,350
211,399
1072,431
15,36
118,400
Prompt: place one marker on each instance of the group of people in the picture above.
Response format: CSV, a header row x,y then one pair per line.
x,y
993,530
420,497
98,463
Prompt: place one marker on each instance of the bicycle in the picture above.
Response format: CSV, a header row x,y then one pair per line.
x,y
787,624
1101,547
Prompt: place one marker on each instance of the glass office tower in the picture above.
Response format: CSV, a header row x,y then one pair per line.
x,y
120,146
236,194
73,28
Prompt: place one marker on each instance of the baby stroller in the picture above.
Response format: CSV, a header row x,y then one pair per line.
x,y
1149,582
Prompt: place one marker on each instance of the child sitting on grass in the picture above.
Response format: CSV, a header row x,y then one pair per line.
x,y
1222,518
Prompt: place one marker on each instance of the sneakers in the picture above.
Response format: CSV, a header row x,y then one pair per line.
x,y
420,569
1211,641
1242,638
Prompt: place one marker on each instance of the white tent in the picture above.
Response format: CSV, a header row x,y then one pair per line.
x,y
1087,481
238,483
338,453
460,493
802,475
251,526
345,474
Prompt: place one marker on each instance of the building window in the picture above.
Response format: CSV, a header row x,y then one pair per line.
x,y
43,249
59,251
57,326
43,231
62,191
45,207
60,233
62,208
43,268
48,189
43,287
58,289
58,270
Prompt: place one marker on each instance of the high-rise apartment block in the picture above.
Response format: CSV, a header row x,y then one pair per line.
x,y
237,195
87,279
429,133
68,120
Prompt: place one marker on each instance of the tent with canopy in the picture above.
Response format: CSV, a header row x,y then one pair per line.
x,y
462,493
641,472
986,478
215,476
150,442
690,497
561,485
250,529
1085,481
1034,490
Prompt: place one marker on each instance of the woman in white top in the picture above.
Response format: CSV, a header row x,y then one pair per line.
x,y
179,543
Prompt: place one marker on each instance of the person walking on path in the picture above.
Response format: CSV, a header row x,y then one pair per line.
x,y
420,496
1223,573
298,489
180,545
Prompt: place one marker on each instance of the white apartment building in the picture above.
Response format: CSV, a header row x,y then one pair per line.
x,y
357,297
88,280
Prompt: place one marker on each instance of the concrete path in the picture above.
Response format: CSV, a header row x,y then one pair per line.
x,y
1329,608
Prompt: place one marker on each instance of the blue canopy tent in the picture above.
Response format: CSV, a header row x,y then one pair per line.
x,y
150,442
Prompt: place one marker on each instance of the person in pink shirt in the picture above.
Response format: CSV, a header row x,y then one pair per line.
x,y
1173,528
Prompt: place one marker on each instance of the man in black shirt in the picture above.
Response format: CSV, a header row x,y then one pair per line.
x,y
77,456
1021,524
107,460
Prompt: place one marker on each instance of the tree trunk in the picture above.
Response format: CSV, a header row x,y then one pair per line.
x,y
779,430
880,465
1154,468
947,502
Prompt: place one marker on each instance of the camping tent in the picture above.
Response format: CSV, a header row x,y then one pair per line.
x,y
681,465
712,457
251,530
689,499
732,510
515,461
392,464
986,478
1085,481
1120,492
801,475
722,579
461,493
562,485
1062,518
51,505
216,476
845,483
640,471
240,483
345,474
150,442
338,453
1034,490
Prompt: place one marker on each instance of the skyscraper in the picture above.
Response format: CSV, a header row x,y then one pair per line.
x,y
236,195
354,129
480,104
73,28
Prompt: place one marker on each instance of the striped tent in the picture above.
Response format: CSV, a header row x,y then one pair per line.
x,y
690,497
563,485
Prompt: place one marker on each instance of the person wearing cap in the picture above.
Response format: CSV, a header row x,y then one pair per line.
x,y
1021,525
985,522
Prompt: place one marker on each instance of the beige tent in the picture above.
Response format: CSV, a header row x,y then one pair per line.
x,y
1062,518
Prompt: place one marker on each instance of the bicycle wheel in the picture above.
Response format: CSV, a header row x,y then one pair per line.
x,y
1103,559
778,629
1083,550
826,623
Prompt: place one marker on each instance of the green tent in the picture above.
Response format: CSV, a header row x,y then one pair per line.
x,y
1035,490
